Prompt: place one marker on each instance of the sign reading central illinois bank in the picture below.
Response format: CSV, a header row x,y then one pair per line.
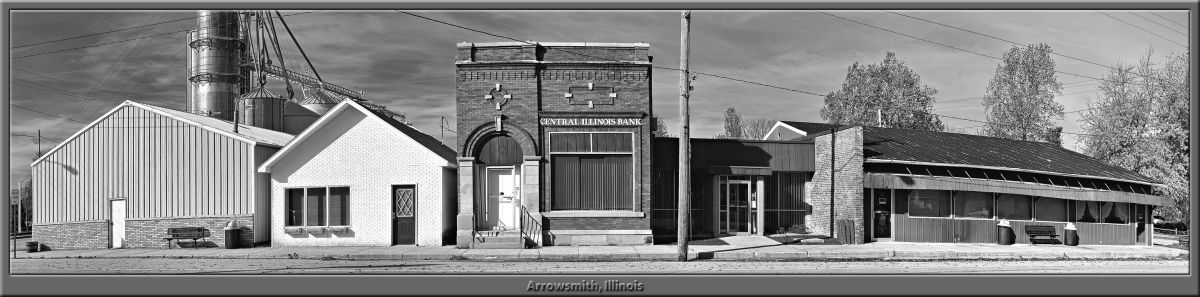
x,y
591,122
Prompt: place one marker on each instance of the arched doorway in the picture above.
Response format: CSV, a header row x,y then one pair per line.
x,y
499,158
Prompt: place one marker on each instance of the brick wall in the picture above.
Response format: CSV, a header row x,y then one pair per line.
x,y
369,156
537,79
848,182
85,235
148,233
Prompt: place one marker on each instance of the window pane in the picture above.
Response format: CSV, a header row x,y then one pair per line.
x,y
339,206
1118,213
612,142
973,204
1014,207
592,182
1088,211
316,207
1049,209
295,207
929,203
570,142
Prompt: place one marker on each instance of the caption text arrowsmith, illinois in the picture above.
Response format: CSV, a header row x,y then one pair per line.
x,y
586,286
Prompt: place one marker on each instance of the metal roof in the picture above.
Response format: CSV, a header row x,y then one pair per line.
x,y
258,135
319,96
905,145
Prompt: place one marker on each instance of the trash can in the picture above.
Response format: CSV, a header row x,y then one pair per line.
x,y
1004,233
32,246
231,238
1070,236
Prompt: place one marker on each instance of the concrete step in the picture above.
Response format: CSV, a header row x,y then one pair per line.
x,y
495,233
505,244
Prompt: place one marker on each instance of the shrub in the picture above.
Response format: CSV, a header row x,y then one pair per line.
x,y
798,229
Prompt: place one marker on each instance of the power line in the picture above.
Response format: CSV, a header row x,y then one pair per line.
x,y
1169,20
601,58
1008,41
37,111
941,44
1157,23
127,40
1143,29
35,137
297,42
102,33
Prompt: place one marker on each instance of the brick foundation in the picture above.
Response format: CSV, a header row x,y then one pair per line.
x,y
70,236
847,184
148,233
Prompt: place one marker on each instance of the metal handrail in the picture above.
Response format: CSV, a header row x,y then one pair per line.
x,y
530,227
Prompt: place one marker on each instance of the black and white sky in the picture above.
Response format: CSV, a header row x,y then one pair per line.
x,y
407,63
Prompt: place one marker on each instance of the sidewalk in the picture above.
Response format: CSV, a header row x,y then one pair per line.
x,y
746,249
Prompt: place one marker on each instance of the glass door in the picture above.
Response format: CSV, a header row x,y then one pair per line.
x,y
737,214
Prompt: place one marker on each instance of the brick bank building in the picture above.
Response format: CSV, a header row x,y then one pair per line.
x,y
554,144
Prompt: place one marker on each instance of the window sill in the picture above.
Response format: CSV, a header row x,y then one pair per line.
x,y
593,214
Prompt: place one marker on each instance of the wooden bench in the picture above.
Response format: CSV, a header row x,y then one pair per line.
x,y
192,233
1040,230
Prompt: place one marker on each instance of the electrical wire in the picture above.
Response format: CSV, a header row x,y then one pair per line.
x,y
102,33
298,47
1143,29
126,40
1157,23
1169,20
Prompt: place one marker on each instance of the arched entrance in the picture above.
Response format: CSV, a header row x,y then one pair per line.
x,y
499,161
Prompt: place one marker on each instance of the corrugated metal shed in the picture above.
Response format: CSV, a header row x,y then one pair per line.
x,y
163,162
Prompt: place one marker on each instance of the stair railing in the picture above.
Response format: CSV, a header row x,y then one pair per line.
x,y
531,229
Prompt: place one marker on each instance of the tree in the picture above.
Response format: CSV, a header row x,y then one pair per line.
x,y
890,88
757,128
660,127
1053,136
1020,96
1140,122
733,125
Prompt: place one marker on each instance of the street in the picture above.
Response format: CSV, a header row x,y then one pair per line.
x,y
305,266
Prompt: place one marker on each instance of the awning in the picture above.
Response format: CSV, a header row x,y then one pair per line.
x,y
923,182
739,170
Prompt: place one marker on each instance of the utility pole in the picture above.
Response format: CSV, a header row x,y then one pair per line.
x,y
832,180
879,117
685,150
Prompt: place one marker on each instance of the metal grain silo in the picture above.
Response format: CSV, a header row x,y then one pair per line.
x,y
261,108
215,74
320,100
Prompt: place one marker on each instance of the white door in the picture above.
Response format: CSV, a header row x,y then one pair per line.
x,y
117,208
502,197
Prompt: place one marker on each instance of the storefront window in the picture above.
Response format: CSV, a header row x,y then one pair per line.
x,y
1118,212
929,203
1088,211
295,207
1014,207
591,170
1049,209
973,204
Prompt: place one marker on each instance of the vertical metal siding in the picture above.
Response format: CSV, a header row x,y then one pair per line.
x,y
163,167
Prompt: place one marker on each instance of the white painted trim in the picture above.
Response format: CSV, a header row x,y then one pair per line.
x,y
1006,169
593,214
304,135
781,124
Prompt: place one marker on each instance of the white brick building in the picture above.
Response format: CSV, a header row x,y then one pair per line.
x,y
351,178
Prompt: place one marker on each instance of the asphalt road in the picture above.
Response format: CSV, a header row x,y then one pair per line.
x,y
296,266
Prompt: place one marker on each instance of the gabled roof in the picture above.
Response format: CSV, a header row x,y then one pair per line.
x,y
249,134
883,145
426,141
808,127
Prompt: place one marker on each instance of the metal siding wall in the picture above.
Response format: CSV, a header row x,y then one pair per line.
x,y
910,229
1093,233
1019,229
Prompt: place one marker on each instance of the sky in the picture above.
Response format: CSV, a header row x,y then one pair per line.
x,y
407,63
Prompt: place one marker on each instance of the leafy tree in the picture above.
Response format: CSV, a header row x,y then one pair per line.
x,y
1020,97
660,127
1053,136
733,125
889,86
757,128
1140,122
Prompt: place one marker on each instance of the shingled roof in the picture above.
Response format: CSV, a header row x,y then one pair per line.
x,y
894,144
